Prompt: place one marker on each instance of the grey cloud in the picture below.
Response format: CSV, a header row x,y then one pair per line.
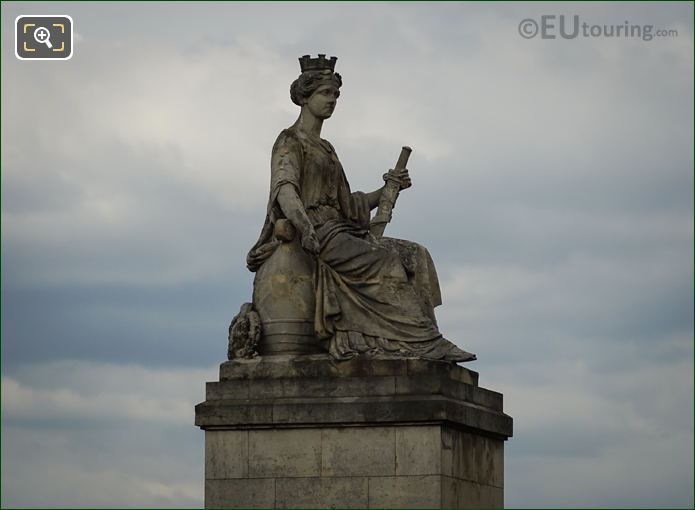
x,y
580,429
87,467
122,323
101,433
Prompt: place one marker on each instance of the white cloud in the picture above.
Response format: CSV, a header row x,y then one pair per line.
x,y
78,391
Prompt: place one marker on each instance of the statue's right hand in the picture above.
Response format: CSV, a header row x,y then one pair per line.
x,y
310,242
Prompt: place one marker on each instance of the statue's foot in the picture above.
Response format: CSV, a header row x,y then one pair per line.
x,y
459,355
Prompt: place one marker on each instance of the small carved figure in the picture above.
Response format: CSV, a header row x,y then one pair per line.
x,y
244,333
352,292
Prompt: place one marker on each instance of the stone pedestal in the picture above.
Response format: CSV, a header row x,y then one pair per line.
x,y
308,432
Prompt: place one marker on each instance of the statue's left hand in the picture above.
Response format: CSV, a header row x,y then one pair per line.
x,y
402,176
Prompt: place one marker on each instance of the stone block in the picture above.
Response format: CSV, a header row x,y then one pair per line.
x,y
226,454
472,457
464,375
490,497
240,493
474,394
465,494
417,367
479,417
306,431
317,365
405,492
451,489
369,410
284,452
348,410
212,413
227,390
360,367
321,387
418,385
358,451
421,367
345,492
418,450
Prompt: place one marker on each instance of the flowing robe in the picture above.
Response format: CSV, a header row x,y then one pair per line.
x,y
373,297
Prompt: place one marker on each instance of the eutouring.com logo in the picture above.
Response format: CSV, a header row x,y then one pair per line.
x,y
552,26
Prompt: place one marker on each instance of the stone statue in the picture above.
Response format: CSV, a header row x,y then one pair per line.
x,y
324,281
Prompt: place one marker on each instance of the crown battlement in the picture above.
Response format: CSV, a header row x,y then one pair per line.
x,y
306,63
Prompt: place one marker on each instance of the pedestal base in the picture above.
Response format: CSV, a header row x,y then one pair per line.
x,y
310,432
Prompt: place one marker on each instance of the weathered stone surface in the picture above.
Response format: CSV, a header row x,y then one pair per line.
x,y
244,333
318,365
419,384
351,387
358,451
345,492
226,454
418,367
225,413
227,390
418,450
325,387
240,493
321,365
357,410
464,375
284,452
450,492
474,394
478,417
405,492
472,457
404,466
465,494
402,433
489,497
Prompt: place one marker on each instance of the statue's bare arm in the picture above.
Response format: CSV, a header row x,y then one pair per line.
x,y
374,197
293,209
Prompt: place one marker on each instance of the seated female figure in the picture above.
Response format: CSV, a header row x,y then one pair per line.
x,y
374,297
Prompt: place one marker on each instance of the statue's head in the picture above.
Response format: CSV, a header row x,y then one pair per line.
x,y
318,77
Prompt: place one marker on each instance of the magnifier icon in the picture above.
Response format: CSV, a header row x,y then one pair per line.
x,y
43,36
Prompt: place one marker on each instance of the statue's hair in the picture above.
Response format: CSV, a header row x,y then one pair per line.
x,y
309,81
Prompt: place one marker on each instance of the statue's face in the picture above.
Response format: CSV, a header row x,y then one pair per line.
x,y
322,102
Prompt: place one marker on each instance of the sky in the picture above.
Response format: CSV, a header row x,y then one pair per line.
x,y
552,184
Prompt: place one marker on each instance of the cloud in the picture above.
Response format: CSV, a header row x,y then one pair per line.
x,y
159,325
633,300
579,429
182,151
79,391
101,434
137,158
78,470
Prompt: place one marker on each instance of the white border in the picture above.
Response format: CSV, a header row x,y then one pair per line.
x,y
72,39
